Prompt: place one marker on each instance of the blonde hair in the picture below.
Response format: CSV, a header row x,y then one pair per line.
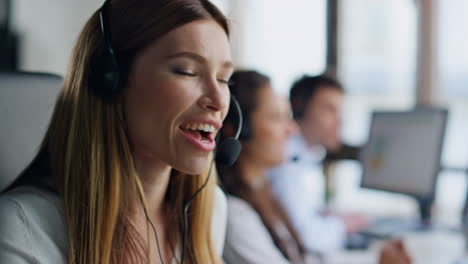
x,y
87,151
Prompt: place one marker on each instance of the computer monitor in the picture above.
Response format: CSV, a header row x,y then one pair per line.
x,y
403,153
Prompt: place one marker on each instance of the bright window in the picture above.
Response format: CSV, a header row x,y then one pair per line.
x,y
377,59
282,41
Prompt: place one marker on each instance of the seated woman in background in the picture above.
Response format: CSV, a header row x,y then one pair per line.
x,y
259,230
129,143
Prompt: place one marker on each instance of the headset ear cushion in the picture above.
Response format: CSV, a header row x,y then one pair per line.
x,y
105,76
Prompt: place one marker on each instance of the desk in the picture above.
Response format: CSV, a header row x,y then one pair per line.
x,y
431,247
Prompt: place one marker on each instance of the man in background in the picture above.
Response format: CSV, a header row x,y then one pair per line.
x,y
298,183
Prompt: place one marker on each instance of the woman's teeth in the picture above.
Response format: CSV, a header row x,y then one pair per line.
x,y
202,127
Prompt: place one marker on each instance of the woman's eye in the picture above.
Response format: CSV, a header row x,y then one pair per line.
x,y
184,72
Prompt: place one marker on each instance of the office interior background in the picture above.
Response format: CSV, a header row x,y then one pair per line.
x,y
372,45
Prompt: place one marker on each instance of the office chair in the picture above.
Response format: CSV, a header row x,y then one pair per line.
x,y
26,103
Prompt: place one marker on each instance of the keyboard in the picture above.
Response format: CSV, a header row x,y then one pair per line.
x,y
385,228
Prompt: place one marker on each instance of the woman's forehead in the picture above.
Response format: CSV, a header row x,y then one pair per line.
x,y
205,38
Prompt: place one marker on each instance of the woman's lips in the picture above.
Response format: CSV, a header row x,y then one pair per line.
x,y
203,143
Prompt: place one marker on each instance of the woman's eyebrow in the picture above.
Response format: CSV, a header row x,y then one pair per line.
x,y
187,54
199,58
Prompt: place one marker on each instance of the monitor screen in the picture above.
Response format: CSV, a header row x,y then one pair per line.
x,y
403,152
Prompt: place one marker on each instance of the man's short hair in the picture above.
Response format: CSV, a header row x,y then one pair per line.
x,y
304,90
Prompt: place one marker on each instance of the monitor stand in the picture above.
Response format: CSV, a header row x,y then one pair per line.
x,y
425,212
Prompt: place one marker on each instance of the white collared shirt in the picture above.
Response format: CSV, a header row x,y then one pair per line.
x,y
298,184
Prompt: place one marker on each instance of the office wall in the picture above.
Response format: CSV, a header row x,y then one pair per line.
x,y
282,40
49,29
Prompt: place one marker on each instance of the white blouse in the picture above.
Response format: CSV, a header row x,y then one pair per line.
x,y
247,239
33,230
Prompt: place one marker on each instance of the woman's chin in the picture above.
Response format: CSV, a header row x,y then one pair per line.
x,y
193,167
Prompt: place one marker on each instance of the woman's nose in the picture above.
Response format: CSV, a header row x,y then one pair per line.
x,y
216,97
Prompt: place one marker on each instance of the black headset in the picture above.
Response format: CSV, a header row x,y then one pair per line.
x,y
108,78
246,131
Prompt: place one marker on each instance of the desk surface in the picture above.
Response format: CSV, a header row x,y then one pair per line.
x,y
430,247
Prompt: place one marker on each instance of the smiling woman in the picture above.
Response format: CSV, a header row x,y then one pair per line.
x,y
129,143
190,91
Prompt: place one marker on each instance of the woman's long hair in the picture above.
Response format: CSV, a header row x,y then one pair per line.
x,y
87,153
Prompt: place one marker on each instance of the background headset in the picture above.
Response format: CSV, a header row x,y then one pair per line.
x,y
246,132
108,79
244,82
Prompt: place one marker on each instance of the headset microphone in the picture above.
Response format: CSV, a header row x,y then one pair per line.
x,y
229,149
